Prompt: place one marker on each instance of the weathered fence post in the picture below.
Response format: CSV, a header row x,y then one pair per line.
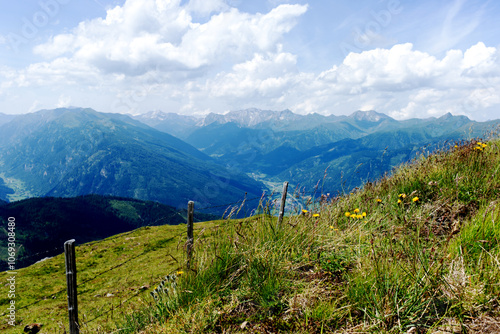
x,y
69,252
282,206
189,245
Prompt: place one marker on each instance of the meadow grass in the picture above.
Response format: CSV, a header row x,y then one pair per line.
x,y
416,251
114,276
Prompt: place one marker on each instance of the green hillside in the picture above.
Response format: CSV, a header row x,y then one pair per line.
x,y
44,224
416,252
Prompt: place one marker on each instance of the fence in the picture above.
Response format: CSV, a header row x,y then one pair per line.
x,y
71,273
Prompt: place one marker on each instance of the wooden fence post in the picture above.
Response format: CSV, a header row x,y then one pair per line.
x,y
69,252
282,206
189,245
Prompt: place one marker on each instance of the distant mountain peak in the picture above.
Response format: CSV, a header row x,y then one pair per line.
x,y
369,116
250,117
448,115
155,114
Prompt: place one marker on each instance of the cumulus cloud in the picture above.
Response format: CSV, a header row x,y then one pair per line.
x,y
399,81
418,82
206,7
265,75
141,35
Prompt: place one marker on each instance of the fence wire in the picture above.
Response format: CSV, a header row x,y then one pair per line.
x,y
242,202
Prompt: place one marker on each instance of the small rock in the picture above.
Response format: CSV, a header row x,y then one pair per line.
x,y
110,295
244,324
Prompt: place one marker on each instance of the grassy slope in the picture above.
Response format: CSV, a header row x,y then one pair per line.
x,y
430,264
145,254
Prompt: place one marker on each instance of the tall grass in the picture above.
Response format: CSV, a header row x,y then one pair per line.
x,y
415,252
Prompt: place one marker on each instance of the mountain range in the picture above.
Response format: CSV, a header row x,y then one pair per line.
x,y
213,160
71,152
338,152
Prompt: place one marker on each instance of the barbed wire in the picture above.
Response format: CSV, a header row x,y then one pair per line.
x,y
112,307
112,268
41,253
236,221
51,296
118,306
40,300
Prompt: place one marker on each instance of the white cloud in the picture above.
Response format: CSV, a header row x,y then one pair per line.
x,y
140,35
416,83
264,75
64,101
206,7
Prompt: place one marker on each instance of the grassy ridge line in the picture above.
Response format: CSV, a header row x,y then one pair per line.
x,y
414,252
119,270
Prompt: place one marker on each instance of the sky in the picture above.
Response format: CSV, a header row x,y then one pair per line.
x,y
403,58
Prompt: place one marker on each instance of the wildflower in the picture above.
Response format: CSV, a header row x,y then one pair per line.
x,y
359,216
304,211
180,272
456,146
356,210
364,214
347,214
399,201
316,215
415,199
379,200
331,227
402,195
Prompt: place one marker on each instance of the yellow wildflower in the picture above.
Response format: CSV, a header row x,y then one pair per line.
x,y
180,272
402,195
331,227
415,199
356,210
359,216
347,214
399,201
379,200
364,214
316,215
304,211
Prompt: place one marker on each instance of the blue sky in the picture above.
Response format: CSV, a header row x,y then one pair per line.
x,y
403,58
